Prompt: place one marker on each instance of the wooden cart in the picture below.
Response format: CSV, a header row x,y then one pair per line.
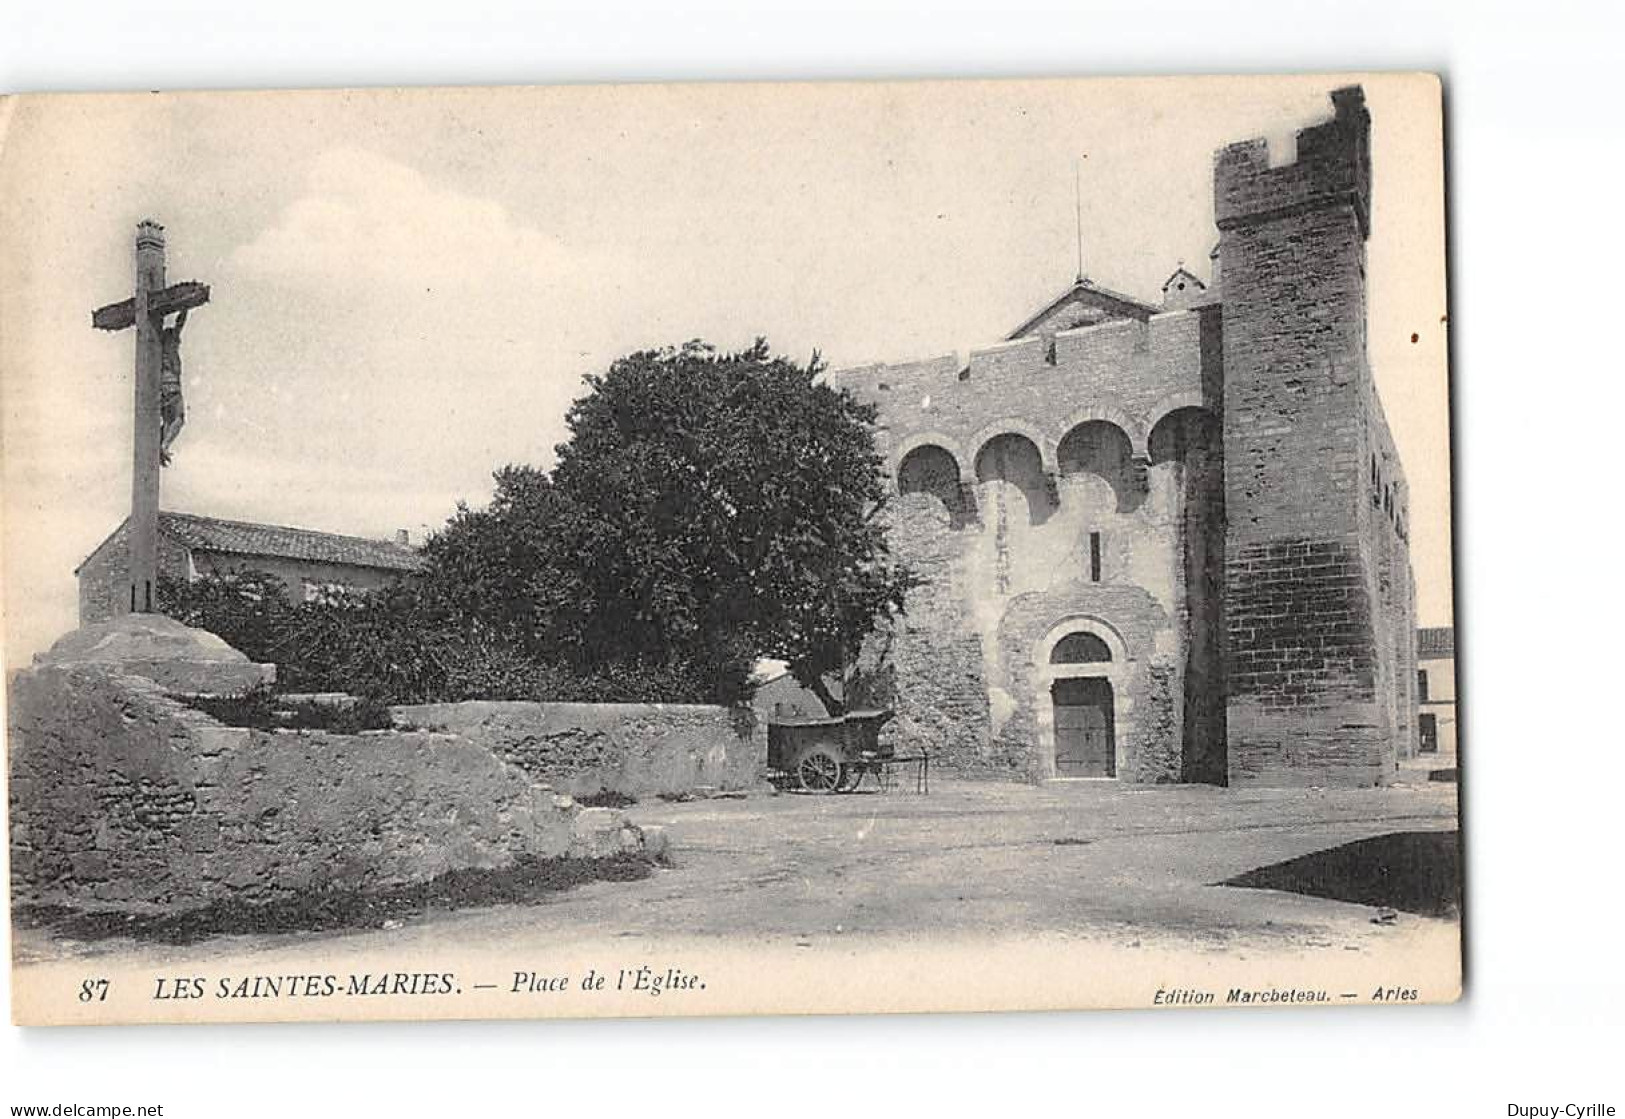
x,y
834,755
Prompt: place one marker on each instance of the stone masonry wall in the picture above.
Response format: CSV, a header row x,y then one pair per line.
x,y
1385,526
966,686
1145,682
104,576
1000,534
932,655
636,749
1189,448
1126,371
120,795
1309,610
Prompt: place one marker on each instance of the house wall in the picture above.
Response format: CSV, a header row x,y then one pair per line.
x,y
296,574
102,576
1441,704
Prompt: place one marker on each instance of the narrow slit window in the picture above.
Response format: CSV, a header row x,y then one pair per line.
x,y
1094,557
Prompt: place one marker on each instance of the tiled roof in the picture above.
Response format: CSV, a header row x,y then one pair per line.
x,y
246,538
1086,290
1185,272
1435,643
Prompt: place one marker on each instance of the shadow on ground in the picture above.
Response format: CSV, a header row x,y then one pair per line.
x,y
527,881
1413,871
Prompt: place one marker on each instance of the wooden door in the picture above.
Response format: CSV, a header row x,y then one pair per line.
x,y
1085,739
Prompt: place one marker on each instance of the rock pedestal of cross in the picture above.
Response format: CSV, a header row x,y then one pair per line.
x,y
146,311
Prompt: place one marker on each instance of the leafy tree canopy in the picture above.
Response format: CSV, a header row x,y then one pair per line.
x,y
707,509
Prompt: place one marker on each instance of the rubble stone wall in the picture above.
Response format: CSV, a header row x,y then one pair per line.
x,y
120,795
1114,518
636,749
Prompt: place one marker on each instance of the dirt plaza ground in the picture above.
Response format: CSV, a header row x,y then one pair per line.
x,y
1095,859
1129,865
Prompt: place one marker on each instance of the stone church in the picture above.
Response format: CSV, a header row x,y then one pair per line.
x,y
1167,542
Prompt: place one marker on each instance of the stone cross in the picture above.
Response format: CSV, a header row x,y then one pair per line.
x,y
152,303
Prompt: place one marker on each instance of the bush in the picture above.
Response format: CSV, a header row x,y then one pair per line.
x,y
263,709
249,610
399,645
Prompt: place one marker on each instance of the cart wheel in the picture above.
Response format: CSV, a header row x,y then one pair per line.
x,y
820,770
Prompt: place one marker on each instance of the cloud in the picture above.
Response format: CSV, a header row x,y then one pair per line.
x,y
380,347
368,222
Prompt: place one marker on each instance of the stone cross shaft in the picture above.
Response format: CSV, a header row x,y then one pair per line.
x,y
146,311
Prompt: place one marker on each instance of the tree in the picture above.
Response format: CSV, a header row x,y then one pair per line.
x,y
707,509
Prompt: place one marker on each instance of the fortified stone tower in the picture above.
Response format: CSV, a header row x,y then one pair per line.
x,y
1317,572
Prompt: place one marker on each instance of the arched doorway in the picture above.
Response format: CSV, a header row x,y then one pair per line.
x,y
1083,707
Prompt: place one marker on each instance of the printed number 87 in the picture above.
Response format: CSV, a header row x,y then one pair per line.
x,y
93,990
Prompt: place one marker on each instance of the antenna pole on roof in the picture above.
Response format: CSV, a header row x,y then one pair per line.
x,y
1077,198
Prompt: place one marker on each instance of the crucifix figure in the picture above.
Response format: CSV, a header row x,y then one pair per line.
x,y
171,404
159,411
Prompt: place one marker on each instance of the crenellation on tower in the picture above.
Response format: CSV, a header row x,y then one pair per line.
x,y
1333,165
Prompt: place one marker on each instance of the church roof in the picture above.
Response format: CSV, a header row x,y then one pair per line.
x,y
1086,291
249,538
1182,273
1435,643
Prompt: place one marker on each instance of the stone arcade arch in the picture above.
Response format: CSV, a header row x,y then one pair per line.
x,y
1104,449
1081,664
1177,430
1014,458
1187,444
1175,402
931,469
1011,425
1108,408
908,445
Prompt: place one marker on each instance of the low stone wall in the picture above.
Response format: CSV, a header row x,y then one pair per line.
x,y
120,794
635,749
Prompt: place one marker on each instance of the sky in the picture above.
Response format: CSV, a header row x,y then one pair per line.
x,y
409,285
